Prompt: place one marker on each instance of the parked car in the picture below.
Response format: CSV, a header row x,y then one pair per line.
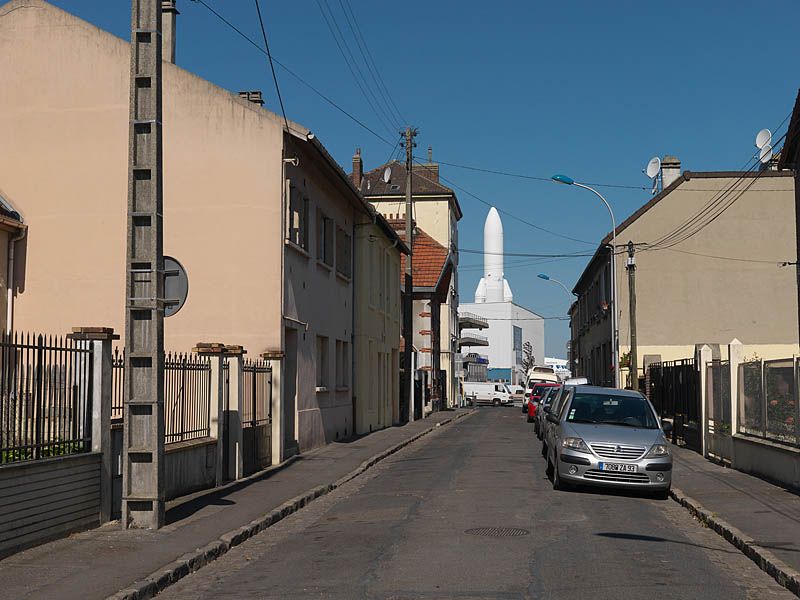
x,y
607,437
535,407
537,391
516,392
578,381
479,392
540,373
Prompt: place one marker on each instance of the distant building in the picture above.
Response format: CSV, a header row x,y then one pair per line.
x,y
701,277
437,212
510,325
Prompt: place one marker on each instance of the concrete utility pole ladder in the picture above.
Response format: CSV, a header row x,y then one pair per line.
x,y
143,442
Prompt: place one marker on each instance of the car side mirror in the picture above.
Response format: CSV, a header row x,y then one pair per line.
x,y
551,418
666,427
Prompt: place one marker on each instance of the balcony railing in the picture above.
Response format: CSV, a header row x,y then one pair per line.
x,y
468,320
473,339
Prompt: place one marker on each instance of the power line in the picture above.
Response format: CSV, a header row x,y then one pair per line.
x,y
505,212
271,66
366,56
326,98
352,64
533,177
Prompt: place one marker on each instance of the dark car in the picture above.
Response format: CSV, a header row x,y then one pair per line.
x,y
535,407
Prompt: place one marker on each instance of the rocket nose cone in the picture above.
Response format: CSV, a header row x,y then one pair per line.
x,y
493,222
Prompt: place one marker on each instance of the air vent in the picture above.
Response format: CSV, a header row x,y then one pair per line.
x,y
394,187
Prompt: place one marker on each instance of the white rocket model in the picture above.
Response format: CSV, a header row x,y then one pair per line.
x,y
493,286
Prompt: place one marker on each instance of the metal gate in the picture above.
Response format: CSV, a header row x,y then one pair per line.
x,y
674,390
256,411
718,409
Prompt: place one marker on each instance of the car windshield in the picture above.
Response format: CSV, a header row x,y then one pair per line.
x,y
549,394
538,390
610,409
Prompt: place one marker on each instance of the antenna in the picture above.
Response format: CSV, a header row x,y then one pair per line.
x,y
387,174
653,171
764,145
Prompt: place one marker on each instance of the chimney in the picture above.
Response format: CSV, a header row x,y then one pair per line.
x,y
253,96
429,170
670,171
358,169
168,17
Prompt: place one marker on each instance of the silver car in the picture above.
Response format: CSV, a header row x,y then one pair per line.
x,y
607,437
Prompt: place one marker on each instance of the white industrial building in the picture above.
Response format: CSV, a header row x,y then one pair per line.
x,y
510,325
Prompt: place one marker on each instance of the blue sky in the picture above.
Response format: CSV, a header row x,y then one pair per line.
x,y
591,89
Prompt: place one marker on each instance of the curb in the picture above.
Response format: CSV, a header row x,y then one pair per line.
x,y
766,560
192,561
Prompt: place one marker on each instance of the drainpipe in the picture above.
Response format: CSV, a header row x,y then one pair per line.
x,y
12,244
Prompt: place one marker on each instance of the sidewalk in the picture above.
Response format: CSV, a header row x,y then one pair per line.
x,y
766,516
103,561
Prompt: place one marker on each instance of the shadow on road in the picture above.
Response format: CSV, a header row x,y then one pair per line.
x,y
651,538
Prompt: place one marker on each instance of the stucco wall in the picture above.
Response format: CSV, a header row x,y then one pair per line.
x,y
64,106
685,298
376,367
317,295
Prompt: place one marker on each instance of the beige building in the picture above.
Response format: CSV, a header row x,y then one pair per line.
x,y
376,393
708,254
262,219
437,212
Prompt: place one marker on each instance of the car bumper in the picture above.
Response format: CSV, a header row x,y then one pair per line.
x,y
584,469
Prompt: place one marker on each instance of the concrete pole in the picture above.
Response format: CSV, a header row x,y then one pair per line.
x,y
100,340
408,298
233,416
276,362
704,357
634,360
216,354
143,488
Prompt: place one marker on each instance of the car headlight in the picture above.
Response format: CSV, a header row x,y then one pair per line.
x,y
576,444
658,450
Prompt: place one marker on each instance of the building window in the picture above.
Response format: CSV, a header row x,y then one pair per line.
x,y
297,220
344,252
324,238
342,364
322,361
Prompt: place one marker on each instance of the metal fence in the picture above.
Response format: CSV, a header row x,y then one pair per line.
x,y
187,395
45,397
256,393
768,400
718,409
674,390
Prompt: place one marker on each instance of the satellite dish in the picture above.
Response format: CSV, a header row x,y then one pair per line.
x,y
653,167
764,145
387,174
653,170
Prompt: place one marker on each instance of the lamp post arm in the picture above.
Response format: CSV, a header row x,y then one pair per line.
x,y
566,289
608,206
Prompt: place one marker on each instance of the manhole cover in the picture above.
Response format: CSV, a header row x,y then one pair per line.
x,y
498,531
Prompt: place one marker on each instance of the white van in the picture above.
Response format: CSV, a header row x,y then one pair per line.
x,y
541,374
486,393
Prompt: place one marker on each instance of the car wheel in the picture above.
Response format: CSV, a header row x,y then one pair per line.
x,y
549,469
558,483
530,420
544,449
497,402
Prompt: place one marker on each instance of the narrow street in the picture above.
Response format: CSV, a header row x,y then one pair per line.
x,y
404,531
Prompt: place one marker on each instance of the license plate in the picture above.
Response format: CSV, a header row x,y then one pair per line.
x,y
618,468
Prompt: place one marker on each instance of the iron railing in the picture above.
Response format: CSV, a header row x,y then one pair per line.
x,y
256,393
45,397
187,395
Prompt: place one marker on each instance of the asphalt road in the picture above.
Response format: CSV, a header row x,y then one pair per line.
x,y
403,531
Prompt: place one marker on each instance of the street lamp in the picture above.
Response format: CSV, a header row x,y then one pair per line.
x,y
615,334
548,278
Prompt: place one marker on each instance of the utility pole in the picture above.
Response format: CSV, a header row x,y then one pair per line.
x,y
408,303
143,438
631,266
